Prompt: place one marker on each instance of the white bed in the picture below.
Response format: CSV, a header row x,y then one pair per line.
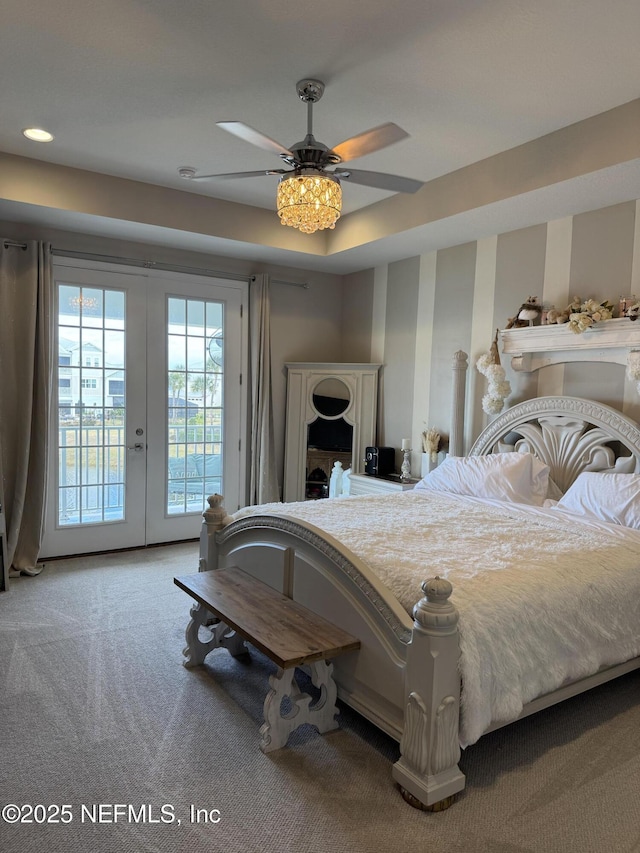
x,y
527,623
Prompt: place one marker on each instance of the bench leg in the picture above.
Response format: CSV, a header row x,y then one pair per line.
x,y
220,636
278,725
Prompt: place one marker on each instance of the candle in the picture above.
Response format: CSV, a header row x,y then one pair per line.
x,y
406,444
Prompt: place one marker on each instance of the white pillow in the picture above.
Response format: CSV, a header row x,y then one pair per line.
x,y
608,497
514,477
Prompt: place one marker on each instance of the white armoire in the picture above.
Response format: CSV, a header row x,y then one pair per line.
x,y
331,417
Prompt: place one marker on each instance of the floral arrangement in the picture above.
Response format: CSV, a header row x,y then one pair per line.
x,y
498,386
633,368
431,443
580,315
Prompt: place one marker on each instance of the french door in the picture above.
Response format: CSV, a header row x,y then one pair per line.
x,y
149,410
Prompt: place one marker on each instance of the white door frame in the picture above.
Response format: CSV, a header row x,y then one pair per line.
x,y
233,294
149,415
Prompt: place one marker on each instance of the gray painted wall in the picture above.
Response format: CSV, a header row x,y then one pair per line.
x,y
396,382
357,316
452,324
601,261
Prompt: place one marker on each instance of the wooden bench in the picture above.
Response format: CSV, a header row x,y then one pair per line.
x,y
286,632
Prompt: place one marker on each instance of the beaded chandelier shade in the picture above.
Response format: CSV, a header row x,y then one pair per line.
x,y
82,302
309,201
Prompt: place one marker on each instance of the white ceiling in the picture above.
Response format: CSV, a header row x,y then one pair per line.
x,y
134,88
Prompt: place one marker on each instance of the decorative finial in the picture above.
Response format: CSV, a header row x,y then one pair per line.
x,y
216,514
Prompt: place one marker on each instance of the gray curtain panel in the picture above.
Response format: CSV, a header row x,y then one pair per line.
x,y
264,486
26,300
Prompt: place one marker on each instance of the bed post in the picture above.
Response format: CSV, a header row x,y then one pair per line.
x,y
213,520
427,770
456,434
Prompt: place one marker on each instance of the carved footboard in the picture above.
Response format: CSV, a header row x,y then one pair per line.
x,y
404,678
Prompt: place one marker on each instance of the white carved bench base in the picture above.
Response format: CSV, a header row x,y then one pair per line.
x,y
279,724
232,606
220,636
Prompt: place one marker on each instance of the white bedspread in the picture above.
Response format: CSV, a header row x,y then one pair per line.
x,y
543,596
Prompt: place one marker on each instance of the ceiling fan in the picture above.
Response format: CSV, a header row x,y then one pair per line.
x,y
308,193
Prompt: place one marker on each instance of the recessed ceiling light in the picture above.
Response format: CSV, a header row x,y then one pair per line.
x,y
37,134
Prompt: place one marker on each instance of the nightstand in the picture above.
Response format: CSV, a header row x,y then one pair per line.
x,y
365,484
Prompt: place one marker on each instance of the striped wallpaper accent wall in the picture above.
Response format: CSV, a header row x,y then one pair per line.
x,y
555,292
601,260
378,314
452,325
631,401
455,298
483,330
403,280
424,348
519,275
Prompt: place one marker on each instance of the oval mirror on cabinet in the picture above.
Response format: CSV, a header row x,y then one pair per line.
x,y
331,398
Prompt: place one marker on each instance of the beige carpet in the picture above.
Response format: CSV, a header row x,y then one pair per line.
x,y
97,708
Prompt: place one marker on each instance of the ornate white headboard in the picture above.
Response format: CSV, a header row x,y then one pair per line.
x,y
569,434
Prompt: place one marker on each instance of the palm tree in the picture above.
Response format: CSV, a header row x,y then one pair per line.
x,y
177,382
207,382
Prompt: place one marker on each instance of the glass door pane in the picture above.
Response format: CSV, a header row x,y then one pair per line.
x,y
195,408
196,405
97,467
90,413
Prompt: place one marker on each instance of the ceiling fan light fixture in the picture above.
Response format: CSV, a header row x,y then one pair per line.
x,y
309,201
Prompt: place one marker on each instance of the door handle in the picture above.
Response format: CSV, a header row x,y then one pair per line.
x,y
137,447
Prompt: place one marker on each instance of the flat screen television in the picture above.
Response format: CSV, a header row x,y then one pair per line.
x,y
332,434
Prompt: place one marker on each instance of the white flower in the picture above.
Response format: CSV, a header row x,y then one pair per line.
x,y
485,360
633,366
582,315
578,322
497,385
495,373
492,405
501,389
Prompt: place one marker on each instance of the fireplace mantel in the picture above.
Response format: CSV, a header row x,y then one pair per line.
x,y
534,347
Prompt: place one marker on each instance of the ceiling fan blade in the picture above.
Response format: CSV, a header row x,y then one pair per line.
x,y
243,131
369,141
237,175
379,180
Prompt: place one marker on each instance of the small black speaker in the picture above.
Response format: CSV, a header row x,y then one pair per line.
x,y
379,461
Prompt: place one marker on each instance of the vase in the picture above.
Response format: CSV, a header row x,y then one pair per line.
x,y
428,464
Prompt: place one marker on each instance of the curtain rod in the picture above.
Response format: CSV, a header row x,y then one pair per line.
x,y
147,264
304,284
